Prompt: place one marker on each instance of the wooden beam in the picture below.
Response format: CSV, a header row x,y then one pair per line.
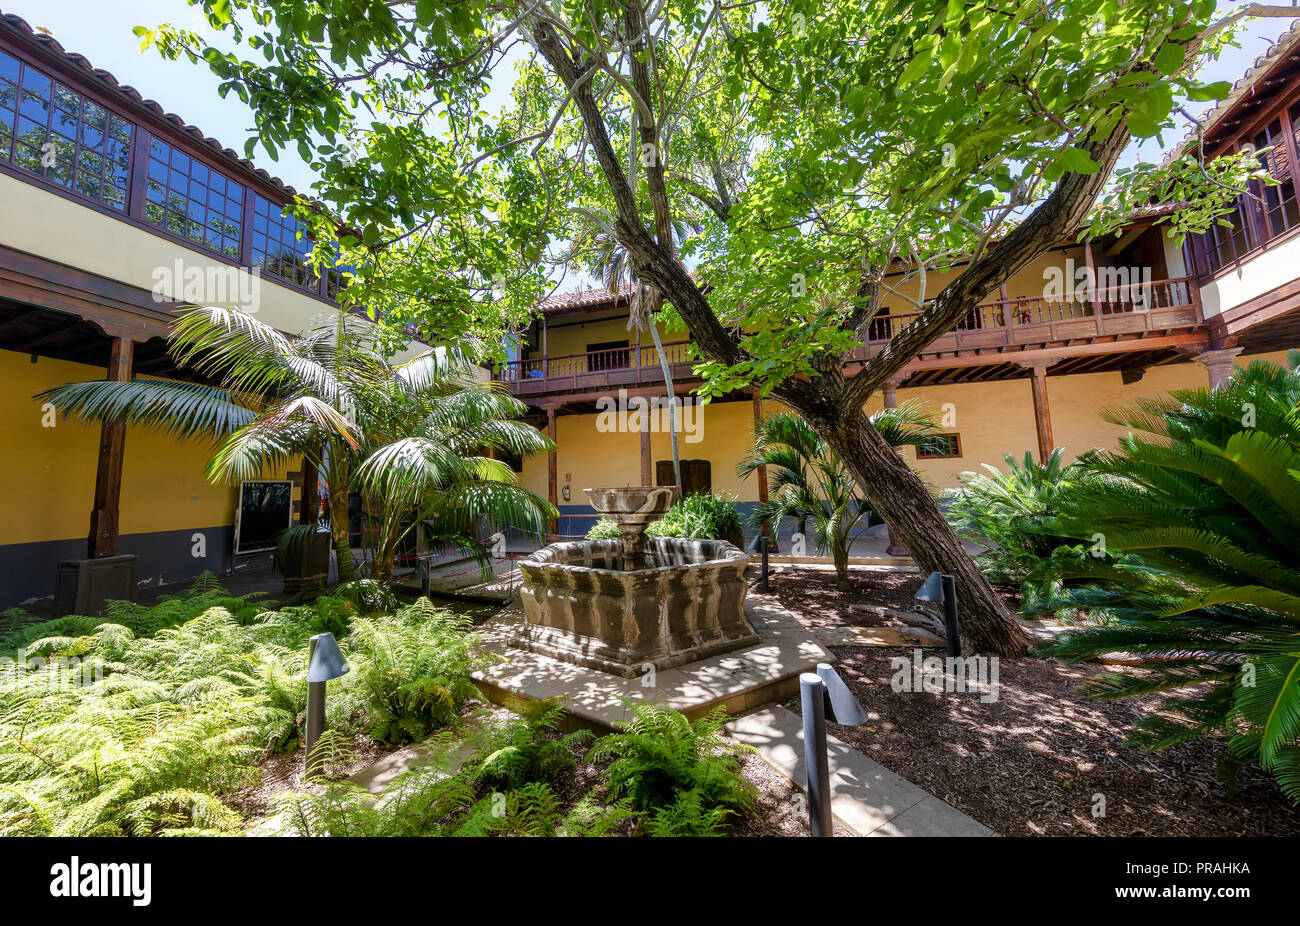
x,y
108,475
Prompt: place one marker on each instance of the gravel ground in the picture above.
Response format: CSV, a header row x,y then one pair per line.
x,y
1034,761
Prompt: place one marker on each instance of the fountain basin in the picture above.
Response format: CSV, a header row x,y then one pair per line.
x,y
684,601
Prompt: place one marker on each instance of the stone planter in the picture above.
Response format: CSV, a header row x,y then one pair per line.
x,y
686,603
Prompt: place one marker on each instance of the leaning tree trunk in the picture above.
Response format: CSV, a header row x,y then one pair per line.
x,y
986,625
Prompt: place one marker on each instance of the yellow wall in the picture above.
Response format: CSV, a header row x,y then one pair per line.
x,y
49,472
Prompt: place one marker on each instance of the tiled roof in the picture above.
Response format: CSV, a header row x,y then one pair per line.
x,y
109,84
585,299
1244,87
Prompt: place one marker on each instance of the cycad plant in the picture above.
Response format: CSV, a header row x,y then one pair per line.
x,y
807,482
1190,558
333,398
1007,513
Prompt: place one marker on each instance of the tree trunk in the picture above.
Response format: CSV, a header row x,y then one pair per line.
x,y
339,483
987,626
840,557
667,369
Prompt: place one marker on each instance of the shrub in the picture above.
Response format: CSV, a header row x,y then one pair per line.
x,y
1010,514
1200,570
701,516
604,529
685,776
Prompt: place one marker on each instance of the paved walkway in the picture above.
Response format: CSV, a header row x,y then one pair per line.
x,y
867,798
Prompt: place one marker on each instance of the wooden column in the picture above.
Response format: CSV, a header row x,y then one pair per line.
x,y
1218,364
1092,275
647,476
1042,410
552,468
108,476
546,353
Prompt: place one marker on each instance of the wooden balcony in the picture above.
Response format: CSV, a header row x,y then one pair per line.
x,y
594,371
1024,321
1154,317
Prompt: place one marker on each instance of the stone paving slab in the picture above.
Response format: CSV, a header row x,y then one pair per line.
x,y
738,681
867,798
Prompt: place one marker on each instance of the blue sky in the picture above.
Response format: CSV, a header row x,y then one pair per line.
x,y
101,30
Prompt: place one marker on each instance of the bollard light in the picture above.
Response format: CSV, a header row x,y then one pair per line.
x,y
324,662
941,588
823,695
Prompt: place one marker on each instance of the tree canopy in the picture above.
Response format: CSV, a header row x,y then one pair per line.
x,y
809,146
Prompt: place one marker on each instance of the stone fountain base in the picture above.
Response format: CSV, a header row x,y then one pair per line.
x,y
592,699
686,603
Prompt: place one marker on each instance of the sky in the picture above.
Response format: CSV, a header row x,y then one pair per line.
x,y
101,31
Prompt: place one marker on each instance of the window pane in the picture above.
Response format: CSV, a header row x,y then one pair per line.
x,y
8,67
62,135
194,196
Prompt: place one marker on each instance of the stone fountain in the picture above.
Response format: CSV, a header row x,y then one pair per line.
x,y
621,605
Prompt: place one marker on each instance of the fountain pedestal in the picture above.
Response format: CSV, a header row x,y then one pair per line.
x,y
623,605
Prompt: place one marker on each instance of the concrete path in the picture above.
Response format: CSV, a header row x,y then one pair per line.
x,y
867,798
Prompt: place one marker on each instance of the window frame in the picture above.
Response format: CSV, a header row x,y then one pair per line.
x,y
921,454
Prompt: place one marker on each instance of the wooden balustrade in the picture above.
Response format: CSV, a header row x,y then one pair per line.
x,y
1154,305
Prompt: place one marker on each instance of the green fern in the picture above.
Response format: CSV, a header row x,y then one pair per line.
x,y
660,756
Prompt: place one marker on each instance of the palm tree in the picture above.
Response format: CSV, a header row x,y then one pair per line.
x,y
808,482
322,396
1200,570
430,422
617,270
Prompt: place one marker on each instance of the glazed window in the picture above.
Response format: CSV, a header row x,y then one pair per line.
x,y
193,201
1278,202
940,446
56,133
281,246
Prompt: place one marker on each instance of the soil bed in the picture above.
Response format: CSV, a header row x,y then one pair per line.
x,y
1033,761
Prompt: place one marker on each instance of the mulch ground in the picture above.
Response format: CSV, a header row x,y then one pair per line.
x,y
1034,761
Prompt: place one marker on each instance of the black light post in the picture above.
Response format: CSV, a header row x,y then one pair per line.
x,y
324,662
823,696
940,587
762,543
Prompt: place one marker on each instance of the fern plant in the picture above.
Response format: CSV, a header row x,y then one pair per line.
x,y
685,774
411,671
1191,558
529,748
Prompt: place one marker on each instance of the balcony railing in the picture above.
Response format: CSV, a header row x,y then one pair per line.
x,y
1157,305
1152,307
618,366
